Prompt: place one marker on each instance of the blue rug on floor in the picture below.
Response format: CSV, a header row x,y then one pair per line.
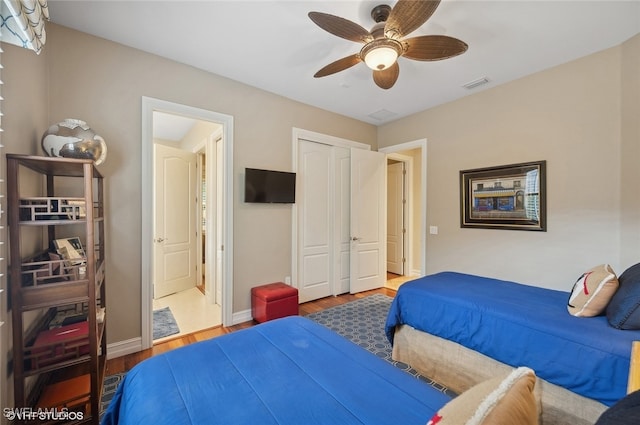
x,y
164,324
362,321
109,386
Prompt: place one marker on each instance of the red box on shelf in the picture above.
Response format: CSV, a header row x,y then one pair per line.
x,y
273,301
60,344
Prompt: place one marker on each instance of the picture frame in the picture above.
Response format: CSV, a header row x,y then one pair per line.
x,y
509,197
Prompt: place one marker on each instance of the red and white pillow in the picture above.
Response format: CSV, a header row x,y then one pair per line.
x,y
592,292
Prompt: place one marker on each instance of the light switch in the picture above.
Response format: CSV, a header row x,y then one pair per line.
x,y
433,230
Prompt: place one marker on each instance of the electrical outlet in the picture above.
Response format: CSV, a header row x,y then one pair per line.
x,y
287,280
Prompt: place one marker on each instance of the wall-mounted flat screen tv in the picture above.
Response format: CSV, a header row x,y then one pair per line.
x,y
269,187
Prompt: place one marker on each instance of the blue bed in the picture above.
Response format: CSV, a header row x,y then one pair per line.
x,y
519,325
287,371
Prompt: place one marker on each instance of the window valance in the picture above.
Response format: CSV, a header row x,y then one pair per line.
x,y
23,23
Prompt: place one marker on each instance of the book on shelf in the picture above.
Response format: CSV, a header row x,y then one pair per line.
x,y
60,344
67,316
71,250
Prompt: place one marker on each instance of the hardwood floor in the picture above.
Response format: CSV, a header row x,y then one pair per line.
x,y
125,363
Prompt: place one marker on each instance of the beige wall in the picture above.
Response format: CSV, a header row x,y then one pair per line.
x,y
416,217
580,117
24,121
630,152
101,82
570,116
25,108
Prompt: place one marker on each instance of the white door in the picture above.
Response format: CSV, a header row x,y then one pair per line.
x,y
219,220
175,234
368,220
395,218
342,216
315,212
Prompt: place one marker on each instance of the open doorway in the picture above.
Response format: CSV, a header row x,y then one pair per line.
x,y
398,225
187,173
180,181
406,212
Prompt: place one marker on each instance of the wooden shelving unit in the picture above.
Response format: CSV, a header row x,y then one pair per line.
x,y
65,373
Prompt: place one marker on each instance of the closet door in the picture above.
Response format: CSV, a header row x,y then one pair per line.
x,y
342,228
315,218
368,220
341,213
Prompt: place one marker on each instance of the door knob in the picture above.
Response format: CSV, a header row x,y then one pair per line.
x,y
354,238
159,240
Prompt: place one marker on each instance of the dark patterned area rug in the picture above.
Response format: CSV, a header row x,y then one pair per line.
x,y
362,321
109,386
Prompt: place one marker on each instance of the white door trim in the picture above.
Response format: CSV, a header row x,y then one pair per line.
x,y
311,136
396,217
422,144
149,105
200,159
407,210
215,245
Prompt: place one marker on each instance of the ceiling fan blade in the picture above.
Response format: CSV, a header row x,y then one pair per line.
x,y
385,79
341,27
433,47
407,15
339,65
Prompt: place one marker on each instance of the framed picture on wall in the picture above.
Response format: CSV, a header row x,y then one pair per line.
x,y
504,197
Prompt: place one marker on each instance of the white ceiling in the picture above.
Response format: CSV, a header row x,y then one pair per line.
x,y
169,127
273,45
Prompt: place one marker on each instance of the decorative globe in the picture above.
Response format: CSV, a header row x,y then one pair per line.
x,y
74,139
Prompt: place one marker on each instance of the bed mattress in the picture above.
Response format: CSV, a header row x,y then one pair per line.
x,y
519,325
286,371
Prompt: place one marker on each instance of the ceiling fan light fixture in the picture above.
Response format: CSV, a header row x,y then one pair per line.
x,y
381,54
381,58
386,41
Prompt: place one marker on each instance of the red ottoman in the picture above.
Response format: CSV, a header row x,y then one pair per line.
x,y
273,301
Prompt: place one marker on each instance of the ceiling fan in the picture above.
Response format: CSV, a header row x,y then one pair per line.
x,y
385,43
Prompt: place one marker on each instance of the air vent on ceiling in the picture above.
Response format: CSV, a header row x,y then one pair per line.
x,y
382,115
475,83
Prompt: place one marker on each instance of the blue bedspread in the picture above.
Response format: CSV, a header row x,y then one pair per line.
x,y
519,325
287,371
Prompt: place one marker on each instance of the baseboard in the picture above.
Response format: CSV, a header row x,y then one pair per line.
x,y
122,348
134,345
241,316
